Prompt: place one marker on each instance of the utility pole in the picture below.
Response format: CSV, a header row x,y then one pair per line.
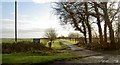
x,y
15,21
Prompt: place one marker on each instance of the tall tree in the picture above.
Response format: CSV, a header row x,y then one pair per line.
x,y
87,21
107,22
78,14
73,13
98,22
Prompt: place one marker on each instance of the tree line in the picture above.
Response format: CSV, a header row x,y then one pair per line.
x,y
82,15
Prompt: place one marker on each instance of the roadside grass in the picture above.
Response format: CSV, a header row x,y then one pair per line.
x,y
114,49
44,41
114,52
57,45
22,58
0,57
0,41
71,41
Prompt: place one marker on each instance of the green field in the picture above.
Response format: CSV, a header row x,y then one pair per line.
x,y
71,41
55,45
22,58
11,40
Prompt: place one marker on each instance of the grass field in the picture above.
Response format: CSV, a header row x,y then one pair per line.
x,y
12,41
22,58
57,45
70,41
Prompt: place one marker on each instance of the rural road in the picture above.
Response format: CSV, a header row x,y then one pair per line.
x,y
89,56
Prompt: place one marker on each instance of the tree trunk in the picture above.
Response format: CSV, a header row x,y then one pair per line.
x,y
85,34
105,33
87,23
90,34
85,38
98,23
119,30
111,32
100,32
109,24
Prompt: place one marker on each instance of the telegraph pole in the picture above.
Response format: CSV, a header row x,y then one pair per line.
x,y
15,21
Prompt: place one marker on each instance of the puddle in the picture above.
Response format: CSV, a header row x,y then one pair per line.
x,y
99,57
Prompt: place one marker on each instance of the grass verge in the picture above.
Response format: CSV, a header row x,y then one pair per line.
x,y
21,58
113,52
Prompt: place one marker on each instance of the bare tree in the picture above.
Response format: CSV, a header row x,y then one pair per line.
x,y
98,22
74,36
73,13
51,35
109,15
71,36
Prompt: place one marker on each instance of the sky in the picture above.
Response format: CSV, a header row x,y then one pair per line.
x,y
33,19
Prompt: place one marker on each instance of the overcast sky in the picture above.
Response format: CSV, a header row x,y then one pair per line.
x,y
33,19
